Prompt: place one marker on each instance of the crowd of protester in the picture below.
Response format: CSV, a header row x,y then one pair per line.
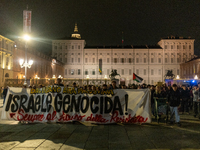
x,y
181,99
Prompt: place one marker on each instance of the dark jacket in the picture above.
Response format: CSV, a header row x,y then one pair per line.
x,y
185,95
174,98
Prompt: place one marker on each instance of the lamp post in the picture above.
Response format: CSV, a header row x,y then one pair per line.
x,y
87,79
36,77
25,63
105,79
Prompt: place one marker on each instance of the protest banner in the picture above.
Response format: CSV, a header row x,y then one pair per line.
x,y
58,104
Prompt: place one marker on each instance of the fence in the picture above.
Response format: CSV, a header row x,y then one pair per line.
x,y
51,81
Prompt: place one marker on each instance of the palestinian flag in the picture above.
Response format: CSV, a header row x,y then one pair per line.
x,y
137,78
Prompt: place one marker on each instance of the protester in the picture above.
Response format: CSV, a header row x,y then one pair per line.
x,y
59,82
114,85
185,96
104,87
5,91
174,102
196,100
93,88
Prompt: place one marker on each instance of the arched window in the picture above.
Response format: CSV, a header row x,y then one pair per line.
x,y
6,75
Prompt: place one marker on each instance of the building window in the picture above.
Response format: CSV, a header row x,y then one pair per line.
x,y
100,53
122,71
165,46
93,60
65,71
152,71
129,60
85,60
72,53
122,53
159,60
145,71
78,53
72,60
108,60
177,46
183,46
130,72
172,60
79,47
178,60
61,47
137,60
172,46
108,71
86,72
107,53
145,60
152,82
137,71
151,60
55,47
159,71
93,72
85,53
129,53
65,47
177,71
72,46
165,60
72,71
115,53
190,47
115,60
122,60
79,71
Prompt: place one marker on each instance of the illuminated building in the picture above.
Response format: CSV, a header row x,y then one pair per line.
x,y
149,62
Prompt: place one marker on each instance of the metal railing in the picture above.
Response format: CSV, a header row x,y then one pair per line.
x,y
51,81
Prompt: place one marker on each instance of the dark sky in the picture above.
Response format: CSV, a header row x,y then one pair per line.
x,y
101,22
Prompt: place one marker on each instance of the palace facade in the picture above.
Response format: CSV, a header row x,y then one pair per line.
x,y
149,62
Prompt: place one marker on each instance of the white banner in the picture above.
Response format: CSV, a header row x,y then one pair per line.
x,y
64,105
26,21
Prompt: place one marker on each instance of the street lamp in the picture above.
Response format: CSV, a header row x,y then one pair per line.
x,y
36,77
25,63
105,79
87,77
177,77
195,77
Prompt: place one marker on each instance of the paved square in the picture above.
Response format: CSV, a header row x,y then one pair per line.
x,y
69,136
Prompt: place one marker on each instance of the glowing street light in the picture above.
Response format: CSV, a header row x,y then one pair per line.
x,y
195,77
26,37
177,77
105,78
87,77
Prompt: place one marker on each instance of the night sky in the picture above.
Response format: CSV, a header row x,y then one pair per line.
x,y
101,22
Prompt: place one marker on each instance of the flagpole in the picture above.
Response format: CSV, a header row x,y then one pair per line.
x,y
122,40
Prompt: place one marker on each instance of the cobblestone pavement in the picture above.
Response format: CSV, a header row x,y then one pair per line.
x,y
68,136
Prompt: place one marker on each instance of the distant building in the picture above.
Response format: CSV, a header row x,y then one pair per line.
x,y
43,66
6,59
149,62
190,69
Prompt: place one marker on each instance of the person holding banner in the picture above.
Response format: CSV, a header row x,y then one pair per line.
x,y
59,82
113,85
5,90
